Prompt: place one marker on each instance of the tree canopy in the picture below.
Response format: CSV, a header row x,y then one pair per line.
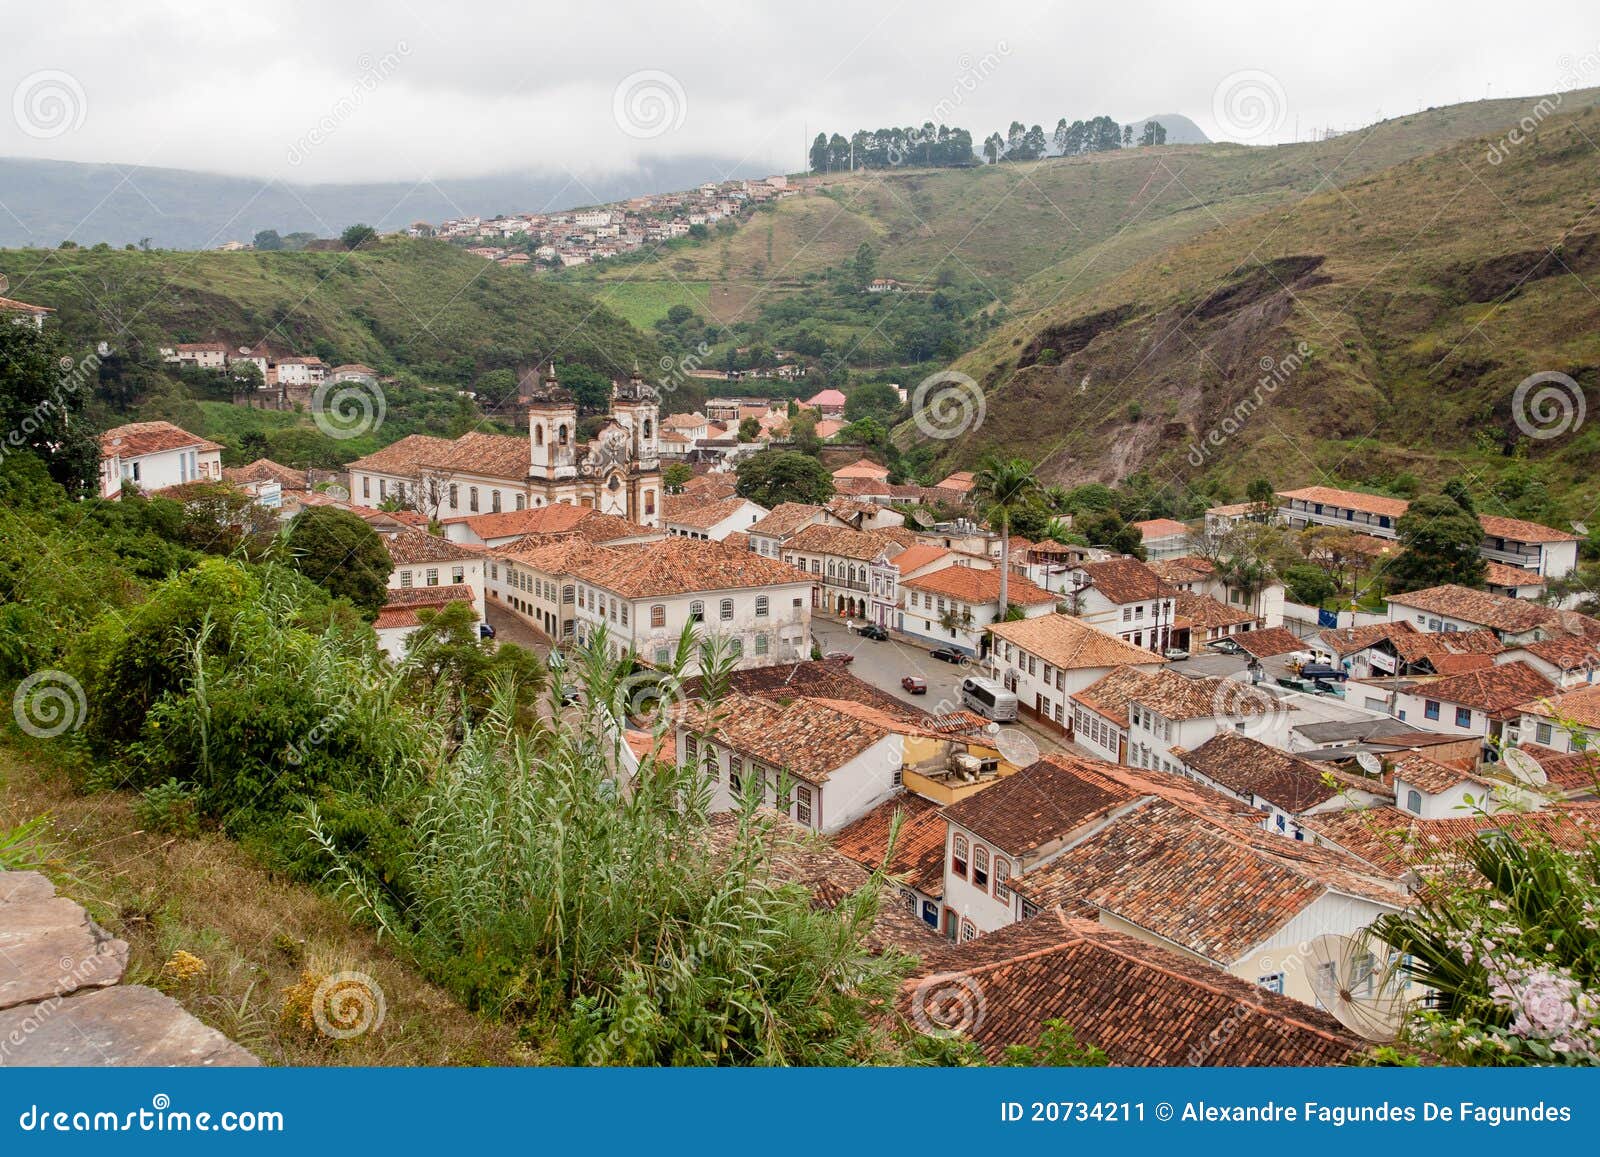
x,y
775,476
342,554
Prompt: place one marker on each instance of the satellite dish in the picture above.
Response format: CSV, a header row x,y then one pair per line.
x,y
1351,987
1369,763
1524,767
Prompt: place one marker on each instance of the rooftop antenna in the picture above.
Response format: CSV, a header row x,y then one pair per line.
x,y
1350,987
1369,763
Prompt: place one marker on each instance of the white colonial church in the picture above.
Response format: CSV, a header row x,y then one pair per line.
x,y
617,472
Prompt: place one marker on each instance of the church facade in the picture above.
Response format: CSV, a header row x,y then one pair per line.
x,y
617,472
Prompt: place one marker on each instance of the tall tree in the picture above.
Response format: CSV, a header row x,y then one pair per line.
x,y
1439,544
775,476
1001,487
42,394
342,554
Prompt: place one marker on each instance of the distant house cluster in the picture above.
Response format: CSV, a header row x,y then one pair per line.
x,y
285,377
579,236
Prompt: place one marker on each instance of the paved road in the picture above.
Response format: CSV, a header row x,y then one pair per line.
x,y
509,628
883,664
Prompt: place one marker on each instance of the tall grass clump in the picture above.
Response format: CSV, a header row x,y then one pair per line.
x,y
549,885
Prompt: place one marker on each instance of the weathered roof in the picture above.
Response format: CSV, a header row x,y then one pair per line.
x,y
918,859
138,438
1070,643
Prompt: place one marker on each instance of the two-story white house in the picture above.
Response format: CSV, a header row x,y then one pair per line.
x,y
954,606
155,455
1564,722
422,560
644,596
1123,597
840,561
1048,659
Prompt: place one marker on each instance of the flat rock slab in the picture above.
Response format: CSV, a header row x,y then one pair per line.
x,y
60,1001
48,945
124,1025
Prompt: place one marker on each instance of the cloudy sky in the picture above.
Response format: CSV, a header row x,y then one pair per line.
x,y
320,91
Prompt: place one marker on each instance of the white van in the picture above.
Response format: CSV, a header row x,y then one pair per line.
x,y
989,699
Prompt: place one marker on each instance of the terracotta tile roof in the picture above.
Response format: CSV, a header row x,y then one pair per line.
x,y
798,857
11,305
683,421
1264,644
816,679
138,438
785,519
1160,528
266,470
1394,842
961,481
203,347
567,554
1581,706
1576,772
1044,802
698,512
1497,691
1566,652
1498,612
490,455
1205,611
1448,664
809,738
428,596
918,859
1344,641
842,541
1109,696
557,518
1070,643
1496,526
1141,1004
1176,570
1253,768
403,456
738,539
1210,881
1124,580
1499,574
1354,500
1178,697
409,546
918,556
969,584
862,468
711,485
828,397
1193,562
1431,775
681,565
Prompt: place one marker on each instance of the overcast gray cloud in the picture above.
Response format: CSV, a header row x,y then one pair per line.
x,y
369,91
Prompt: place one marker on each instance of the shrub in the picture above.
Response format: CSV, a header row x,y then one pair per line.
x,y
169,807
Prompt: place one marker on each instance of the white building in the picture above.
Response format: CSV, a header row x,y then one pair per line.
x,y
691,516
1044,661
644,596
423,561
954,606
1123,597
21,313
155,455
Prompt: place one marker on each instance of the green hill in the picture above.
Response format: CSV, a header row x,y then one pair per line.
x,y
1423,294
424,309
1022,229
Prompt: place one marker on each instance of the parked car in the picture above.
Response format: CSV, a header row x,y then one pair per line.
x,y
1175,654
915,684
874,632
840,656
485,631
946,655
570,697
1226,646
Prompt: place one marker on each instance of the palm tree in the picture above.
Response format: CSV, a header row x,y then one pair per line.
x,y
1001,487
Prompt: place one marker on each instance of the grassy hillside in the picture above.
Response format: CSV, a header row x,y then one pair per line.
x,y
1424,294
421,308
1024,230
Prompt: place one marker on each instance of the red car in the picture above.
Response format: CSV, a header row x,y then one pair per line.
x,y
915,684
840,656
